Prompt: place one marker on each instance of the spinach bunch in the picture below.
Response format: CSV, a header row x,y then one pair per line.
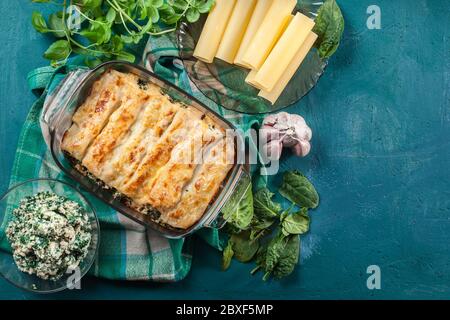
x,y
101,29
279,256
274,255
329,27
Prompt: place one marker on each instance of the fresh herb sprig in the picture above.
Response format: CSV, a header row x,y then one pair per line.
x,y
101,29
274,255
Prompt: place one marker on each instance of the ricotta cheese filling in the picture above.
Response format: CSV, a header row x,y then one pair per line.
x,y
48,234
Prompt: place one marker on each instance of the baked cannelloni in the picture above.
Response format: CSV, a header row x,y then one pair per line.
x,y
157,153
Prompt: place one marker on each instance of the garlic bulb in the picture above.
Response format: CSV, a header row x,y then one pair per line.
x,y
285,130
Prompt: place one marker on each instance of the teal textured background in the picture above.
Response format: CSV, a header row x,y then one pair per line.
x,y
380,160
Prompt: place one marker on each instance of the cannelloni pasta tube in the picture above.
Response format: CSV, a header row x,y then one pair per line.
x,y
261,9
273,95
235,30
284,51
213,30
268,33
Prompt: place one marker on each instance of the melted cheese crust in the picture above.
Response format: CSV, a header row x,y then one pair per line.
x,y
92,116
135,139
203,186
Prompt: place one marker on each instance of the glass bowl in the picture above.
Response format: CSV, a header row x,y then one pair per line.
x,y
225,84
8,269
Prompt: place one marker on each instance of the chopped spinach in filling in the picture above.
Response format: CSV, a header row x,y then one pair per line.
x,y
48,234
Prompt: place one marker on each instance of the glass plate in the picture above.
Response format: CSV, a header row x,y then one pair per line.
x,y
225,83
11,200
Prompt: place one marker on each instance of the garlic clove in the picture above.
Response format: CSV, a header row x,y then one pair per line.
x,y
272,150
268,133
270,120
290,140
304,132
302,148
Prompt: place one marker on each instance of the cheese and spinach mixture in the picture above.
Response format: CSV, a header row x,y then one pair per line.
x,y
48,235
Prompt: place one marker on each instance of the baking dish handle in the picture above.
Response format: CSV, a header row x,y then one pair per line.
x,y
56,100
232,200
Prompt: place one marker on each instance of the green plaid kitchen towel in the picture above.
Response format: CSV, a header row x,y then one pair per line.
x,y
127,250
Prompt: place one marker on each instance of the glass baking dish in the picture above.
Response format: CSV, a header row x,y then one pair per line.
x,y
56,118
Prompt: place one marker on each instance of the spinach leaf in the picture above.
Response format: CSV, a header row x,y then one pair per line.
x,y
288,258
263,204
260,259
227,256
266,212
286,212
298,189
280,256
329,27
243,247
230,229
296,223
239,208
260,227
274,251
